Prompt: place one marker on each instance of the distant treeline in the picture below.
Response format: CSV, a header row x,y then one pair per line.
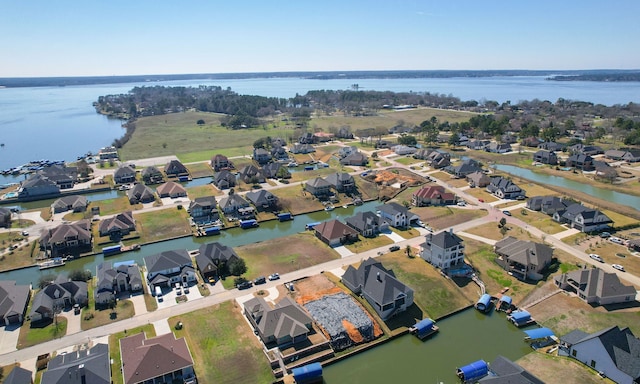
x,y
618,76
87,80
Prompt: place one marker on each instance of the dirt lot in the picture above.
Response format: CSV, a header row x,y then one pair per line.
x,y
554,369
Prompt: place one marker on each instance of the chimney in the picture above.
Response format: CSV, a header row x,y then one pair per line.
x,y
451,230
378,277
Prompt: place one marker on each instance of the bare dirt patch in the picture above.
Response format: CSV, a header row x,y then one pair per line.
x,y
554,369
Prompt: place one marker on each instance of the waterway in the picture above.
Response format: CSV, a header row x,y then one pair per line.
x,y
233,237
463,338
601,193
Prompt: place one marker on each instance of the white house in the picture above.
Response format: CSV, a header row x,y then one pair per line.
x,y
443,250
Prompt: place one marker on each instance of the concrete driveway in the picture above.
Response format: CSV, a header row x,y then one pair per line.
x,y
9,338
394,236
139,306
73,321
162,327
343,251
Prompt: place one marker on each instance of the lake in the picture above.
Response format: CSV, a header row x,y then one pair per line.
x,y
60,123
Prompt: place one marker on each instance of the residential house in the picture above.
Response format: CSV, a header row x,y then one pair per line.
x,y
397,215
171,189
118,226
224,180
140,193
318,187
495,147
80,366
613,351
404,150
175,168
204,210
64,177
595,286
220,162
589,150
478,145
368,224
56,297
307,138
261,155
322,137
342,182
107,153
508,138
380,287
581,162
251,174
358,159
213,260
463,169
504,188
530,141
346,151
631,155
19,375
72,238
75,203
548,204
124,174
432,195
582,218
525,260
421,153
152,175
5,217
263,200
37,186
283,325
279,153
443,250
335,233
276,171
344,133
302,148
160,359
505,371
235,205
169,267
438,159
545,157
551,146
478,179
112,281
13,302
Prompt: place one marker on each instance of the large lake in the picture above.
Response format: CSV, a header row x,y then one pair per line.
x,y
60,123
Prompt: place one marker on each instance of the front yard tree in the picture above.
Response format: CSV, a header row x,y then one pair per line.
x,y
237,267
503,222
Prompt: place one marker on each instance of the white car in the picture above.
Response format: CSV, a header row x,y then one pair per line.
x,y
273,276
596,257
616,240
618,267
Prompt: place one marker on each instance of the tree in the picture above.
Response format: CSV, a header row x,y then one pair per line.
x,y
408,251
237,267
454,140
45,280
407,140
80,275
200,122
503,231
502,223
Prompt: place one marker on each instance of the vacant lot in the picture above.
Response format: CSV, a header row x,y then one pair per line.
x,y
296,200
445,217
162,224
539,220
16,251
555,369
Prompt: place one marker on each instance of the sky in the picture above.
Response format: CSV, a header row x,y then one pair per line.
x,y
41,38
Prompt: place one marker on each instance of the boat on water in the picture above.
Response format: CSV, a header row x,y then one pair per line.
x,y
329,207
424,328
55,262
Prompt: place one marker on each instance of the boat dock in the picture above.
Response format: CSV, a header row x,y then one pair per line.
x,y
521,318
55,262
424,328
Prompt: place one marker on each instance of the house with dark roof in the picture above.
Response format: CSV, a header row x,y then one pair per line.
x,y
432,195
582,218
213,259
224,179
495,147
504,188
478,145
356,158
505,371
404,150
81,366
261,155
335,233
73,238
279,153
263,200
112,281
140,193
107,153
64,177
380,287
283,325
631,155
478,179
124,174
152,175
551,146
169,267
595,286
443,250
160,359
204,210
220,162
397,215
318,187
13,302
545,157
57,296
251,174
589,150
548,204
19,375
438,159
581,162
463,169
37,186
530,141
175,168
5,217
613,351
75,203
118,226
276,171
525,260
341,182
171,189
302,148
368,224
235,205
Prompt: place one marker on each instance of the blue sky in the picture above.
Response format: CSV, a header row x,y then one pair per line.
x,y
86,38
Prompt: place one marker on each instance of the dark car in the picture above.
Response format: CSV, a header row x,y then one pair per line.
x,y
245,285
506,213
260,280
394,248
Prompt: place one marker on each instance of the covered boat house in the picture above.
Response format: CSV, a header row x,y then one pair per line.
x,y
484,303
472,372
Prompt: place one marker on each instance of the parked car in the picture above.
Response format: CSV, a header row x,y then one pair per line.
x,y
420,223
245,285
521,197
596,257
481,200
604,235
506,213
462,203
394,248
25,233
260,280
274,276
618,267
178,289
616,240
185,287
211,280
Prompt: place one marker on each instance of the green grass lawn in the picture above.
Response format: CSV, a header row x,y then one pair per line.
x,y
367,243
201,169
114,206
22,254
114,349
223,346
203,191
162,224
92,317
41,333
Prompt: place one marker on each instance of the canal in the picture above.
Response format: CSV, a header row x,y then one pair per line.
x,y
601,193
233,237
463,338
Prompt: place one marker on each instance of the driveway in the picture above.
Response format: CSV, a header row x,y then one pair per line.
x,y
567,233
139,305
394,237
9,338
73,321
343,251
162,327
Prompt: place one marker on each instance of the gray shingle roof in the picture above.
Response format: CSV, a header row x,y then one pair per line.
x,y
69,368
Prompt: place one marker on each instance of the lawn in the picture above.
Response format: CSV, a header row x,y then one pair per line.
x,y
92,317
203,191
201,169
367,243
223,346
444,217
481,193
162,224
406,160
115,206
295,200
22,254
539,220
42,332
556,369
114,349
